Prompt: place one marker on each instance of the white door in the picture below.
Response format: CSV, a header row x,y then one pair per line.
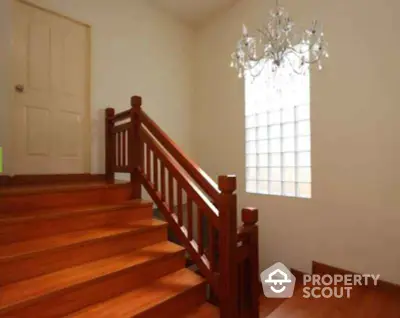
x,y
51,113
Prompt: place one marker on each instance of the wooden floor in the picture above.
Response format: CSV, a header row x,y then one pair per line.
x,y
363,303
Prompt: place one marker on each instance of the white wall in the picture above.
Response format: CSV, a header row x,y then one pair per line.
x,y
135,50
353,219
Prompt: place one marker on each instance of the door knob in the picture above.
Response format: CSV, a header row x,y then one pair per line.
x,y
19,88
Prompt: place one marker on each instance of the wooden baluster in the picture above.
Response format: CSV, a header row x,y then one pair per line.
x,y
250,219
155,171
227,247
148,162
144,158
135,147
190,218
200,229
211,247
180,206
171,192
117,149
121,149
212,258
162,167
124,148
110,144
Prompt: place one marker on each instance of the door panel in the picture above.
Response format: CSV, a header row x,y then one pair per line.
x,y
37,126
51,125
38,56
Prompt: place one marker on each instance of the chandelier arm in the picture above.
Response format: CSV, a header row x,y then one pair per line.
x,y
268,34
293,50
315,60
256,58
293,68
309,61
260,30
257,74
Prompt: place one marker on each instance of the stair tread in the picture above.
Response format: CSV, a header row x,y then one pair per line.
x,y
52,242
23,216
36,287
207,310
139,300
57,187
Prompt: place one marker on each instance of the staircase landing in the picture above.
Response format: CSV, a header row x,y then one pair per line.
x,y
365,302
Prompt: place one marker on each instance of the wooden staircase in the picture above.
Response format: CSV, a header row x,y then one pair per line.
x,y
92,249
89,250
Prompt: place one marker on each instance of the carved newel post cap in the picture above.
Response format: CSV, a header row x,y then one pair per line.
x,y
110,112
227,183
250,216
136,101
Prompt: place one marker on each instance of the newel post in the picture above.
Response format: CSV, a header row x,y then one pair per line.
x,y
109,144
249,226
228,284
135,147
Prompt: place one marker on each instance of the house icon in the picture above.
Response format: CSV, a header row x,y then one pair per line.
x,y
278,281
278,276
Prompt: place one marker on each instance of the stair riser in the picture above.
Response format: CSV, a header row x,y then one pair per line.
x,y
181,304
28,202
40,263
79,296
41,227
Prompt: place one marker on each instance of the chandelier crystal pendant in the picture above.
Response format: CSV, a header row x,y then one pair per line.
x,y
278,44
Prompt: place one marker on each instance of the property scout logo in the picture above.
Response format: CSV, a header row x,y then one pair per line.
x,y
279,282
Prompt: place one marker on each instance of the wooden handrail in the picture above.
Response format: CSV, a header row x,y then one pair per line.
x,y
122,116
193,190
195,172
201,214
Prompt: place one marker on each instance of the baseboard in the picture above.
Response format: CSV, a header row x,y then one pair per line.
x,y
4,180
320,268
43,179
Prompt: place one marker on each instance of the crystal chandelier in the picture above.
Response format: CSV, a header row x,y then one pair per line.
x,y
278,44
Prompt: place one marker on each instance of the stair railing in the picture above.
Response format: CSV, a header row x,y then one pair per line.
x,y
201,214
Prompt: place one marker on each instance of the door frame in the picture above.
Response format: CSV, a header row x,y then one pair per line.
x,y
88,110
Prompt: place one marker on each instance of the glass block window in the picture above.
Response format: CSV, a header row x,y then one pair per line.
x,y
278,135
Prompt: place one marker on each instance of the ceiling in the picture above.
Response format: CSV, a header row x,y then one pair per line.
x,y
193,12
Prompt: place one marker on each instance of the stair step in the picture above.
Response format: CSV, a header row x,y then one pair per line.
x,y
204,311
23,260
59,195
26,189
71,289
20,226
24,248
48,213
167,296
